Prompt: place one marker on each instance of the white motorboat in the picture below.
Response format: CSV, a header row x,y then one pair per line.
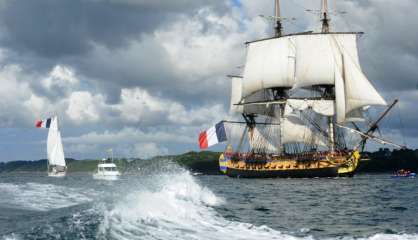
x,y
106,171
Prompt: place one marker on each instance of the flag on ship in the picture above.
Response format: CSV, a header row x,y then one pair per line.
x,y
212,136
43,123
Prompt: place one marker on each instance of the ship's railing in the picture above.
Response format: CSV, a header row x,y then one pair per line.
x,y
249,157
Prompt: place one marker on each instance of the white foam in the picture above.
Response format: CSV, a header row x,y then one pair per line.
x,y
179,209
11,237
40,197
381,236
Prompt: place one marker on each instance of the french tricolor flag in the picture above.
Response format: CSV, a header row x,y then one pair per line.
x,y
43,123
212,136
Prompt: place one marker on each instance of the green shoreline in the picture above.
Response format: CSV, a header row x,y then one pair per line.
x,y
206,162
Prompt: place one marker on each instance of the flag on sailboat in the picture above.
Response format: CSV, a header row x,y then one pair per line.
x,y
43,123
212,136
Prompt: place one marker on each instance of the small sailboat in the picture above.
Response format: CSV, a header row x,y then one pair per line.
x,y
56,165
107,170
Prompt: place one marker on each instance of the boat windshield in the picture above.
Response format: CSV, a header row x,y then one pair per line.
x,y
108,169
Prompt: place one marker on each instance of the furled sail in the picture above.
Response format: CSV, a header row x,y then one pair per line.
x,y
55,149
270,63
322,107
294,130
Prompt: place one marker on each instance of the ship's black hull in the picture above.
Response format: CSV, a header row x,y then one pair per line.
x,y
291,173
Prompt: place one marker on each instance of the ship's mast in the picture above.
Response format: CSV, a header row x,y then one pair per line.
x,y
329,90
324,14
279,93
278,26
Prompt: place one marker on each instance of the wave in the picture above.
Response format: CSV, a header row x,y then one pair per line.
x,y
382,236
40,197
175,206
11,237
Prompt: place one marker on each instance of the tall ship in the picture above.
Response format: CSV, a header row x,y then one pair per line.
x,y
56,166
301,100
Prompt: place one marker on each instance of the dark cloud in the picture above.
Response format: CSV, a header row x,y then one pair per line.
x,y
51,28
178,52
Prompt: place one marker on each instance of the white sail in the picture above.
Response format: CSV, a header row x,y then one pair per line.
x,y
294,130
259,142
339,98
319,57
55,149
316,58
322,107
270,63
358,90
236,95
356,115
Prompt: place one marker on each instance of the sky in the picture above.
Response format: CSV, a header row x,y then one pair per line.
x,y
146,76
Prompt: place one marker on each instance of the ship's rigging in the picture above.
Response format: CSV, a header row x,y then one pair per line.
x,y
299,96
298,92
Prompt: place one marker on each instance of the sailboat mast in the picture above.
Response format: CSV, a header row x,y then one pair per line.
x,y
278,27
325,19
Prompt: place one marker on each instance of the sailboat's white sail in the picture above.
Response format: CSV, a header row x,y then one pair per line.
x,y
55,149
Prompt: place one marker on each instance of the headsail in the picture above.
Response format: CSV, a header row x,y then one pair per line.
x,y
55,149
359,91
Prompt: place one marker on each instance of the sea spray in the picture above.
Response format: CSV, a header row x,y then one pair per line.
x,y
41,197
177,208
164,201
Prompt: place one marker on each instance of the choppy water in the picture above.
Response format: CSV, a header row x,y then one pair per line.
x,y
167,202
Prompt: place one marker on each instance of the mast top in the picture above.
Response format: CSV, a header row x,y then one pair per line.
x,y
278,27
325,19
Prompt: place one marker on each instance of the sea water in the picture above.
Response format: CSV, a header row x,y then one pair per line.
x,y
168,202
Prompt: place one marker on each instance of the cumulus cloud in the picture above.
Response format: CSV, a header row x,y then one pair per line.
x,y
13,90
60,77
130,142
147,76
83,107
